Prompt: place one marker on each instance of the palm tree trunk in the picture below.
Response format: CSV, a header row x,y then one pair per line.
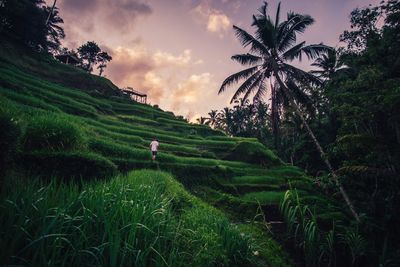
x,y
51,12
319,148
274,117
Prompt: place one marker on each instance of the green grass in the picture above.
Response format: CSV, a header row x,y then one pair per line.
x,y
76,127
53,132
145,218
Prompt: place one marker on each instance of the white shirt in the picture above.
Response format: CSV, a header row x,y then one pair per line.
x,y
154,145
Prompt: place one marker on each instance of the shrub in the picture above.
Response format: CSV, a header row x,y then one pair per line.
x,y
10,132
53,133
252,152
68,165
213,240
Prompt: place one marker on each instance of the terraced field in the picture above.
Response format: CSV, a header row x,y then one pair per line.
x,y
90,133
120,130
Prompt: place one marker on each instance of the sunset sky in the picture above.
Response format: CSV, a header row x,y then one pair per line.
x,y
178,51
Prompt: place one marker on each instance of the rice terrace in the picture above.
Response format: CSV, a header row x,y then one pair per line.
x,y
199,133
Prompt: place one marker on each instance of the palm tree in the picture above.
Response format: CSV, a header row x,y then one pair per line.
x,y
272,48
54,31
226,120
213,118
202,120
329,65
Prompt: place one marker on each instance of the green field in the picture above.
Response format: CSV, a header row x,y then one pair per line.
x,y
69,194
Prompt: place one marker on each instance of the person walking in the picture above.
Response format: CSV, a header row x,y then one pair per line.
x,y
154,148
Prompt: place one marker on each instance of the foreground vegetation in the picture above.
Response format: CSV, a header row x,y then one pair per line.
x,y
67,157
144,218
339,122
70,140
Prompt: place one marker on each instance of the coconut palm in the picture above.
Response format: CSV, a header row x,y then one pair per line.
x,y
329,65
213,118
202,120
271,50
226,122
54,31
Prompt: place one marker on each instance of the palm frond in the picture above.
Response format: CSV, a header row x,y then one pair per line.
x,y
234,78
247,59
293,52
263,9
315,50
247,39
247,85
295,24
277,16
300,76
260,92
257,85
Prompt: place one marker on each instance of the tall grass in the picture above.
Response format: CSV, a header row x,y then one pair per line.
x,y
128,221
320,245
53,132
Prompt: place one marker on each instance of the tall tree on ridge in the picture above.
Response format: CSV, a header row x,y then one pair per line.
x,y
54,31
213,118
102,58
272,48
88,52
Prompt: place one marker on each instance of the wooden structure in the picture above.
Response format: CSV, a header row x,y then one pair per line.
x,y
135,95
68,59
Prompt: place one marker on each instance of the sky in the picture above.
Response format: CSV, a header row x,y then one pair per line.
x,y
179,51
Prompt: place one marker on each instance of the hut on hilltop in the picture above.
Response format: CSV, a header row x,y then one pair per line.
x,y
135,95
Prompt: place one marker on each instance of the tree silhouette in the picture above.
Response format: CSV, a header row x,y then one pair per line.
x,y
54,31
88,53
102,59
91,54
272,48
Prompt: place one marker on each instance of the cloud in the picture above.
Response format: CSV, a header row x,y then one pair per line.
x,y
164,58
155,73
218,23
192,91
79,7
215,20
110,16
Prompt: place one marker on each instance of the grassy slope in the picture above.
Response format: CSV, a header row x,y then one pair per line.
x,y
38,92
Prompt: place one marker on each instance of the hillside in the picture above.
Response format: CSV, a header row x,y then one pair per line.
x,y
62,124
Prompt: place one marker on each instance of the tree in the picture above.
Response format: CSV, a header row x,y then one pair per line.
x,y
25,21
54,31
102,59
329,65
202,120
271,49
88,53
213,118
91,54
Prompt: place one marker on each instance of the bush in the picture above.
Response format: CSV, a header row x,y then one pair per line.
x,y
68,165
214,241
10,132
252,152
52,133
